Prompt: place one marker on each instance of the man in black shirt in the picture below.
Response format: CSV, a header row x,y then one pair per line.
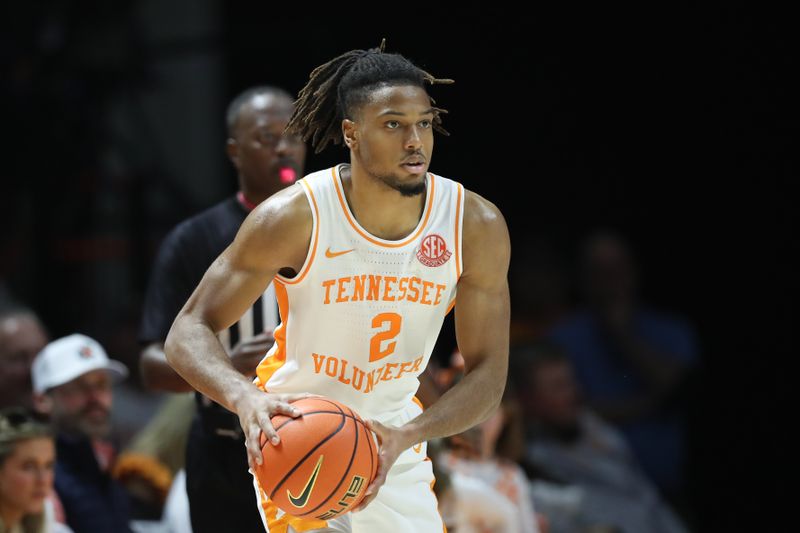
x,y
219,487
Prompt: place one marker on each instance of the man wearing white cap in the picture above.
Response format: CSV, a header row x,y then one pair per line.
x,y
72,384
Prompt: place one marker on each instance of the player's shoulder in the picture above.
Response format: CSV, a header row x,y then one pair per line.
x,y
286,209
320,175
294,203
479,210
475,206
486,238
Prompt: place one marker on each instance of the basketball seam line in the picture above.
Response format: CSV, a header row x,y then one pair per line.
x,y
354,416
347,470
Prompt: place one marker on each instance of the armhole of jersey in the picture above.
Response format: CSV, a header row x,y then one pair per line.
x,y
312,247
459,227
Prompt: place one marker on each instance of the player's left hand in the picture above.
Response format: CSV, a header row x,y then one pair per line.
x,y
392,442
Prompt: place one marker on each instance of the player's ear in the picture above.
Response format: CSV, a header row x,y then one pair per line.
x,y
349,133
232,149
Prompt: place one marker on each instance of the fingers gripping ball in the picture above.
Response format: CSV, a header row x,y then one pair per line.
x,y
324,463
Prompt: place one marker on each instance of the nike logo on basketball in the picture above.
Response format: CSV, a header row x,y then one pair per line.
x,y
330,254
302,500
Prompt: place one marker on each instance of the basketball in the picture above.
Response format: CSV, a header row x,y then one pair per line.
x,y
324,463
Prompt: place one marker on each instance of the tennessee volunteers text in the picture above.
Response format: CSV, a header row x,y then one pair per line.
x,y
349,374
384,288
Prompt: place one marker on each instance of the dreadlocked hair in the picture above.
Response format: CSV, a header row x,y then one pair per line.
x,y
343,83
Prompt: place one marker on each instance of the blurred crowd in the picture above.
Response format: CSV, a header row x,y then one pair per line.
x,y
591,435
650,276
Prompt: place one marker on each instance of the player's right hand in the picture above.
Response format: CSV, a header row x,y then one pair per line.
x,y
247,353
255,409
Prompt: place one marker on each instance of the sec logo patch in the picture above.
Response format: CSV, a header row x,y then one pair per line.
x,y
433,251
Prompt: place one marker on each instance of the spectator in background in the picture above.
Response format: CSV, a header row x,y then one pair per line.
x,y
488,488
22,336
219,487
151,466
571,444
631,361
27,455
540,295
72,385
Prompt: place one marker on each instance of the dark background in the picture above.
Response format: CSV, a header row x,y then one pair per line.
x,y
672,125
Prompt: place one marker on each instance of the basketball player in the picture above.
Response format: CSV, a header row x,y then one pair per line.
x,y
219,488
366,258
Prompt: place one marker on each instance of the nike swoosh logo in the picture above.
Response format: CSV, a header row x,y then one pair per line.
x,y
330,254
302,500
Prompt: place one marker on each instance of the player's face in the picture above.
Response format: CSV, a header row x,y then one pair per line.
x,y
260,149
393,137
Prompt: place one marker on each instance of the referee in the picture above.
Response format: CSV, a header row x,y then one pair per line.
x,y
218,485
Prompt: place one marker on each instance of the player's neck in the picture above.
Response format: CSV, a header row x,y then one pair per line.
x,y
379,209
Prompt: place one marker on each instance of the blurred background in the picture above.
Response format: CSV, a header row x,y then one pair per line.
x,y
669,126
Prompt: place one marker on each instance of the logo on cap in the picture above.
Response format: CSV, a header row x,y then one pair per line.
x,y
86,352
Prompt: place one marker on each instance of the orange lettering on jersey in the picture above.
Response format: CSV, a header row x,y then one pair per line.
x,y
387,371
342,379
413,289
358,378
358,290
401,286
404,367
426,287
387,288
374,288
318,360
328,284
439,289
371,379
342,286
331,369
382,288
337,368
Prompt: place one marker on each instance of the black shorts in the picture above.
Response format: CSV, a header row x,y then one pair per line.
x,y
218,484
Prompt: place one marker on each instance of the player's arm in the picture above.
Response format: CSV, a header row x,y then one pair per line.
x,y
274,236
482,327
482,330
157,374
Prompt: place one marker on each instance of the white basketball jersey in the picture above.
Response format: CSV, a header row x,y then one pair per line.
x,y
361,318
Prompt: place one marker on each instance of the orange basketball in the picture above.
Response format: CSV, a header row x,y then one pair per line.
x,y
324,463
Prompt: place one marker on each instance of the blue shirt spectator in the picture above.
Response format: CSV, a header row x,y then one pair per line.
x,y
631,361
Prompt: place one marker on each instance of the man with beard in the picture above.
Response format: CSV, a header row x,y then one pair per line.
x,y
218,487
366,258
72,385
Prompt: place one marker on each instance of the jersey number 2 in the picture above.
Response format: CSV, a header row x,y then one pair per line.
x,y
394,321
